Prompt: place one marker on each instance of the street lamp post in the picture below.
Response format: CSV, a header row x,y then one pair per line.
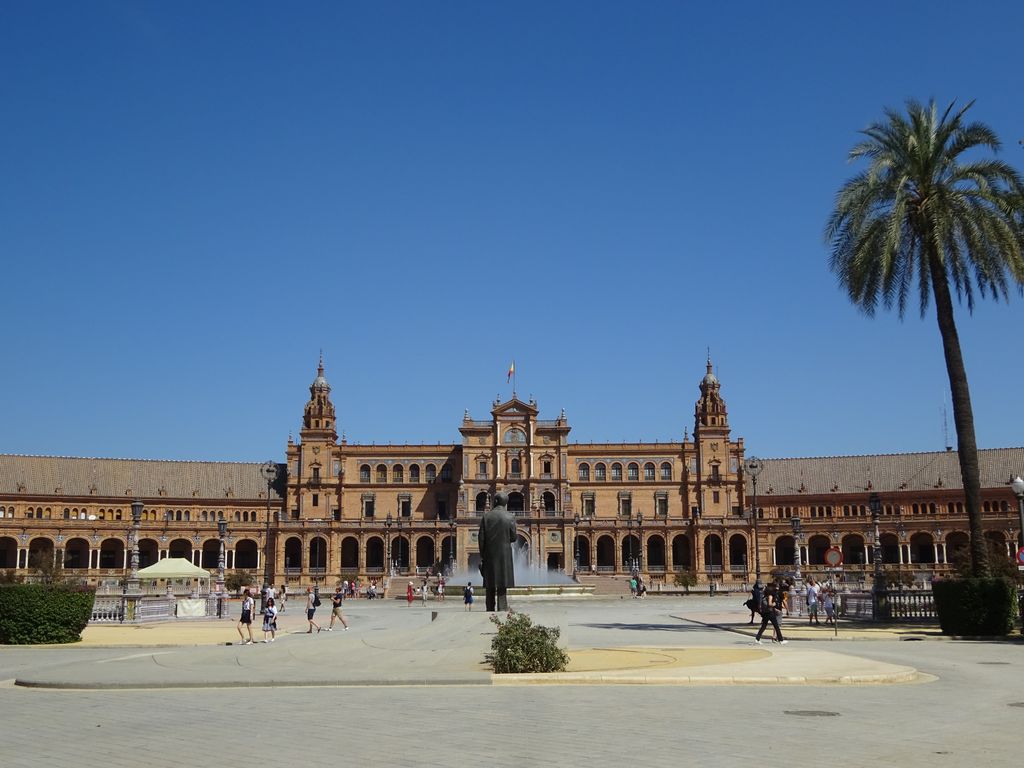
x,y
131,584
133,577
754,468
399,558
592,544
451,546
269,472
798,587
1018,491
629,543
875,505
222,531
575,545
388,522
640,548
901,535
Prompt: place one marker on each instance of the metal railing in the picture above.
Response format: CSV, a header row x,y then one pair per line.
x,y
893,605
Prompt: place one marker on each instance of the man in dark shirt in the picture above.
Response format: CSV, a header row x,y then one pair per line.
x,y
336,600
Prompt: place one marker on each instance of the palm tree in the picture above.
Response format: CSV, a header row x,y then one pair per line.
x,y
924,212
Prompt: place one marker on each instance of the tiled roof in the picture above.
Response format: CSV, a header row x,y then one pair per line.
x,y
65,476
886,473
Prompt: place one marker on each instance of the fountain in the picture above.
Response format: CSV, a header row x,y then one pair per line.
x,y
531,579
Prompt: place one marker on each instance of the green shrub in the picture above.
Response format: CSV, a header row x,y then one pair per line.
x,y
43,613
520,646
975,606
238,580
685,579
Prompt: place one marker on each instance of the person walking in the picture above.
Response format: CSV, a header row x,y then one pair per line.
x,y
440,589
409,595
467,596
828,604
336,613
784,596
812,601
754,603
423,592
247,607
270,621
771,605
312,601
283,591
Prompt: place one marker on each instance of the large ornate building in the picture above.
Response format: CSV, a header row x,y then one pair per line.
x,y
337,510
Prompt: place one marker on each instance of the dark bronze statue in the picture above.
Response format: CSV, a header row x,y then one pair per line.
x,y
497,534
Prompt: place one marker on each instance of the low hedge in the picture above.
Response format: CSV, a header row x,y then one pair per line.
x,y
975,606
521,646
39,613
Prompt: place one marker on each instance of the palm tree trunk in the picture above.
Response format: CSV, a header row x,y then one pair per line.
x,y
963,414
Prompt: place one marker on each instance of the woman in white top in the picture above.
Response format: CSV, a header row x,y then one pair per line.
x,y
247,607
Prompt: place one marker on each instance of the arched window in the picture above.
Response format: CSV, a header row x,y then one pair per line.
x,y
382,473
431,473
446,473
517,467
398,474
648,471
633,471
584,472
414,473
616,472
364,473
599,471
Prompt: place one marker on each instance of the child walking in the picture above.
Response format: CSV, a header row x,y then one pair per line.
x,y
270,621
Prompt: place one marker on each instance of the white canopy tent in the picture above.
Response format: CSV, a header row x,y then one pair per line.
x,y
174,568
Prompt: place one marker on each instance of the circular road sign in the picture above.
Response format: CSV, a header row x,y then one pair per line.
x,y
1020,556
833,557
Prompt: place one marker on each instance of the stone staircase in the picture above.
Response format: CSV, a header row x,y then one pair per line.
x,y
606,584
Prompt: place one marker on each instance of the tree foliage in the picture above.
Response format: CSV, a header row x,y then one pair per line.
x,y
930,215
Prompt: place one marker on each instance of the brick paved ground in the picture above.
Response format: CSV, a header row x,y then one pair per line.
x,y
964,718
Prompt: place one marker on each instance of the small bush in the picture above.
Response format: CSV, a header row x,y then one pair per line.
x,y
685,579
520,646
43,613
238,580
975,606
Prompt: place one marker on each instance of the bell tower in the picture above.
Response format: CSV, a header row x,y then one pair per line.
x,y
716,465
710,415
318,422
314,466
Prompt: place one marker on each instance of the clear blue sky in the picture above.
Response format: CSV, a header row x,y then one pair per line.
x,y
196,198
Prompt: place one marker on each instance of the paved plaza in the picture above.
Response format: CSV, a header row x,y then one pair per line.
x,y
405,687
